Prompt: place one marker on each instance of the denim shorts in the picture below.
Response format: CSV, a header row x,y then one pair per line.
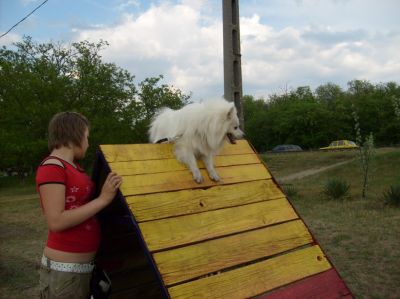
x,y
57,284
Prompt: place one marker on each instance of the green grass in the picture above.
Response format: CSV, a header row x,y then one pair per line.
x,y
283,164
361,238
22,233
10,186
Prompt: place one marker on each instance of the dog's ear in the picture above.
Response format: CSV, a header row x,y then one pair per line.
x,y
231,112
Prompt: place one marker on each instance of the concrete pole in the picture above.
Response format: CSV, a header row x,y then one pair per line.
x,y
233,91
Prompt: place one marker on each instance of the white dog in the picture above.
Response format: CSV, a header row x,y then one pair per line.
x,y
199,131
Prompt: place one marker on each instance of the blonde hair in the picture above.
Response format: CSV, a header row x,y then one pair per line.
x,y
66,128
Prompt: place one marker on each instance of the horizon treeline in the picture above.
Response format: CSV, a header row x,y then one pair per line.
x,y
314,118
39,80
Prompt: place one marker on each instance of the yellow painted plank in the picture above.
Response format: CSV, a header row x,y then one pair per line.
x,y
188,262
136,152
166,165
257,278
170,232
179,180
148,151
161,205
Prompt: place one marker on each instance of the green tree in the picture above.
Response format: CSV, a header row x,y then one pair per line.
x,y
313,119
38,80
150,97
366,153
256,122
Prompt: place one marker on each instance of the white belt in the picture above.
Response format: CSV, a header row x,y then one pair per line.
x,y
67,267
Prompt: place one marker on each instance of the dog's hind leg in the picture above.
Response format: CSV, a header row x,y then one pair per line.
x,y
209,163
190,160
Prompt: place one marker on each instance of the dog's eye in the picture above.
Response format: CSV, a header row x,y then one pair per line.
x,y
235,128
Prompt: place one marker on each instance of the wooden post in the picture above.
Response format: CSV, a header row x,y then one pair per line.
x,y
233,91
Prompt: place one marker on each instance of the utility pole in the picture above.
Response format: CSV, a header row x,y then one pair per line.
x,y
233,90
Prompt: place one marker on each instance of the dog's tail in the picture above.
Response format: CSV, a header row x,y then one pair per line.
x,y
156,129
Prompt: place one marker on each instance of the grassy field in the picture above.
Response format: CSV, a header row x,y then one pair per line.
x,y
361,238
22,232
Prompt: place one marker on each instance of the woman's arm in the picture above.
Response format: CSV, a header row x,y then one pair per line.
x,y
53,200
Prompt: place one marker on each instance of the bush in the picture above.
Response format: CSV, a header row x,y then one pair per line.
x,y
392,196
290,191
336,188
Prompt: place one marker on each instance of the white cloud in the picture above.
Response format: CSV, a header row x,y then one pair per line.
x,y
9,39
173,40
340,14
273,58
283,43
128,3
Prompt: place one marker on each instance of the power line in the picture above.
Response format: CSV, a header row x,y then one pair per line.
x,y
24,18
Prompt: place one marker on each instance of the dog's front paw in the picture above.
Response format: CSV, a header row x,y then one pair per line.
x,y
214,176
198,177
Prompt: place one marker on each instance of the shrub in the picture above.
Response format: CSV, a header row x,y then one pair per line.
x,y
336,188
392,196
290,191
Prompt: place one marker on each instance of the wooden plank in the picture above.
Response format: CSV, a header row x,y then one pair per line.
x,y
123,261
167,165
150,290
133,278
327,285
188,262
169,204
170,232
113,244
136,152
148,151
179,180
256,278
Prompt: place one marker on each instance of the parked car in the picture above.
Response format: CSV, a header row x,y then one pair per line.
x,y
340,144
287,148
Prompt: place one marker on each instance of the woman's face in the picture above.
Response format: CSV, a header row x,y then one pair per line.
x,y
80,151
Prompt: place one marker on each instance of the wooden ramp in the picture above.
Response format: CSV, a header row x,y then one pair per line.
x,y
239,238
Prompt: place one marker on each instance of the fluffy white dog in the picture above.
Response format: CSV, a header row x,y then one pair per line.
x,y
198,131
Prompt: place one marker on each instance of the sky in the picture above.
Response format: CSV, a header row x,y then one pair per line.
x,y
284,43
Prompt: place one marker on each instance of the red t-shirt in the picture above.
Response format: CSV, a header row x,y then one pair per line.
x,y
79,189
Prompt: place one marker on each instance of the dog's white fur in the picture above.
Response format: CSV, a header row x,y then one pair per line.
x,y
200,130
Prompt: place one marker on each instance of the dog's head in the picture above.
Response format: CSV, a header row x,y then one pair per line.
x,y
218,121
233,131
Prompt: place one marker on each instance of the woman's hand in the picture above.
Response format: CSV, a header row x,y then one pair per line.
x,y
59,219
110,187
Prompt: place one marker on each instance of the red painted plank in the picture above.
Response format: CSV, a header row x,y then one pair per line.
x,y
326,285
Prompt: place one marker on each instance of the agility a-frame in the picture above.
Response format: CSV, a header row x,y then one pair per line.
x,y
167,236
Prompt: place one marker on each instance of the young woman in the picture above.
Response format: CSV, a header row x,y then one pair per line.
x,y
66,198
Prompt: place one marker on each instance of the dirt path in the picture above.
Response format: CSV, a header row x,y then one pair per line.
x,y
308,172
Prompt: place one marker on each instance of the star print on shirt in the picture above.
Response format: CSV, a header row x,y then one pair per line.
x,y
70,199
74,189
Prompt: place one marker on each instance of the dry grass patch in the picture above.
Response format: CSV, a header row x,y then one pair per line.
x,y
361,237
22,233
